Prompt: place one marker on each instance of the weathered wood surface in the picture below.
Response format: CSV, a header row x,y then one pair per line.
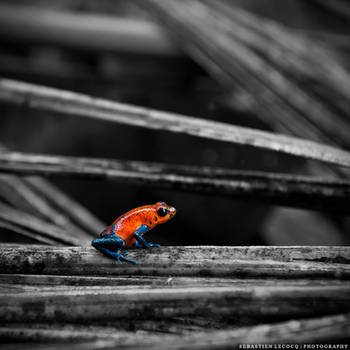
x,y
330,328
21,282
176,325
187,293
91,304
136,283
75,104
283,262
281,189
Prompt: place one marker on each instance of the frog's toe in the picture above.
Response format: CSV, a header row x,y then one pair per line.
x,y
128,260
118,259
121,258
155,245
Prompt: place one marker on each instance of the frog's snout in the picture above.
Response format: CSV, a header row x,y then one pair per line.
x,y
172,212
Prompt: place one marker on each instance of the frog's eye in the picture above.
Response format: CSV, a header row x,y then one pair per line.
x,y
162,212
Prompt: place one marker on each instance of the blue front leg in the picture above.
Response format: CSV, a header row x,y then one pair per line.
x,y
140,240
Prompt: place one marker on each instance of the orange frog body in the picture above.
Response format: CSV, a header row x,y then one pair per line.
x,y
129,228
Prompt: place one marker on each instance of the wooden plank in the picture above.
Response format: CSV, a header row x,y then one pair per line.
x,y
279,262
74,332
91,304
164,284
75,104
281,189
323,329
20,281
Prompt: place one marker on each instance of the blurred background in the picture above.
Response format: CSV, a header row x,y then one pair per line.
x,y
273,65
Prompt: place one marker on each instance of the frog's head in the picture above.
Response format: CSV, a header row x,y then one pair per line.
x,y
164,212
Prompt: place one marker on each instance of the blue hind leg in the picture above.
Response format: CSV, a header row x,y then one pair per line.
x,y
111,246
119,256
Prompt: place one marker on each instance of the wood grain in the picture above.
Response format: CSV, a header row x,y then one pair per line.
x,y
75,104
106,304
281,189
22,282
322,329
281,262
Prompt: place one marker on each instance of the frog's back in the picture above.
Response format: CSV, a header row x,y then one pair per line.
x,y
128,223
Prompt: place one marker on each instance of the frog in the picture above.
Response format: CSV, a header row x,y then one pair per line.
x,y
128,230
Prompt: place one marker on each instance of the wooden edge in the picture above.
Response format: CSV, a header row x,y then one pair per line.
x,y
280,189
75,104
255,261
330,328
